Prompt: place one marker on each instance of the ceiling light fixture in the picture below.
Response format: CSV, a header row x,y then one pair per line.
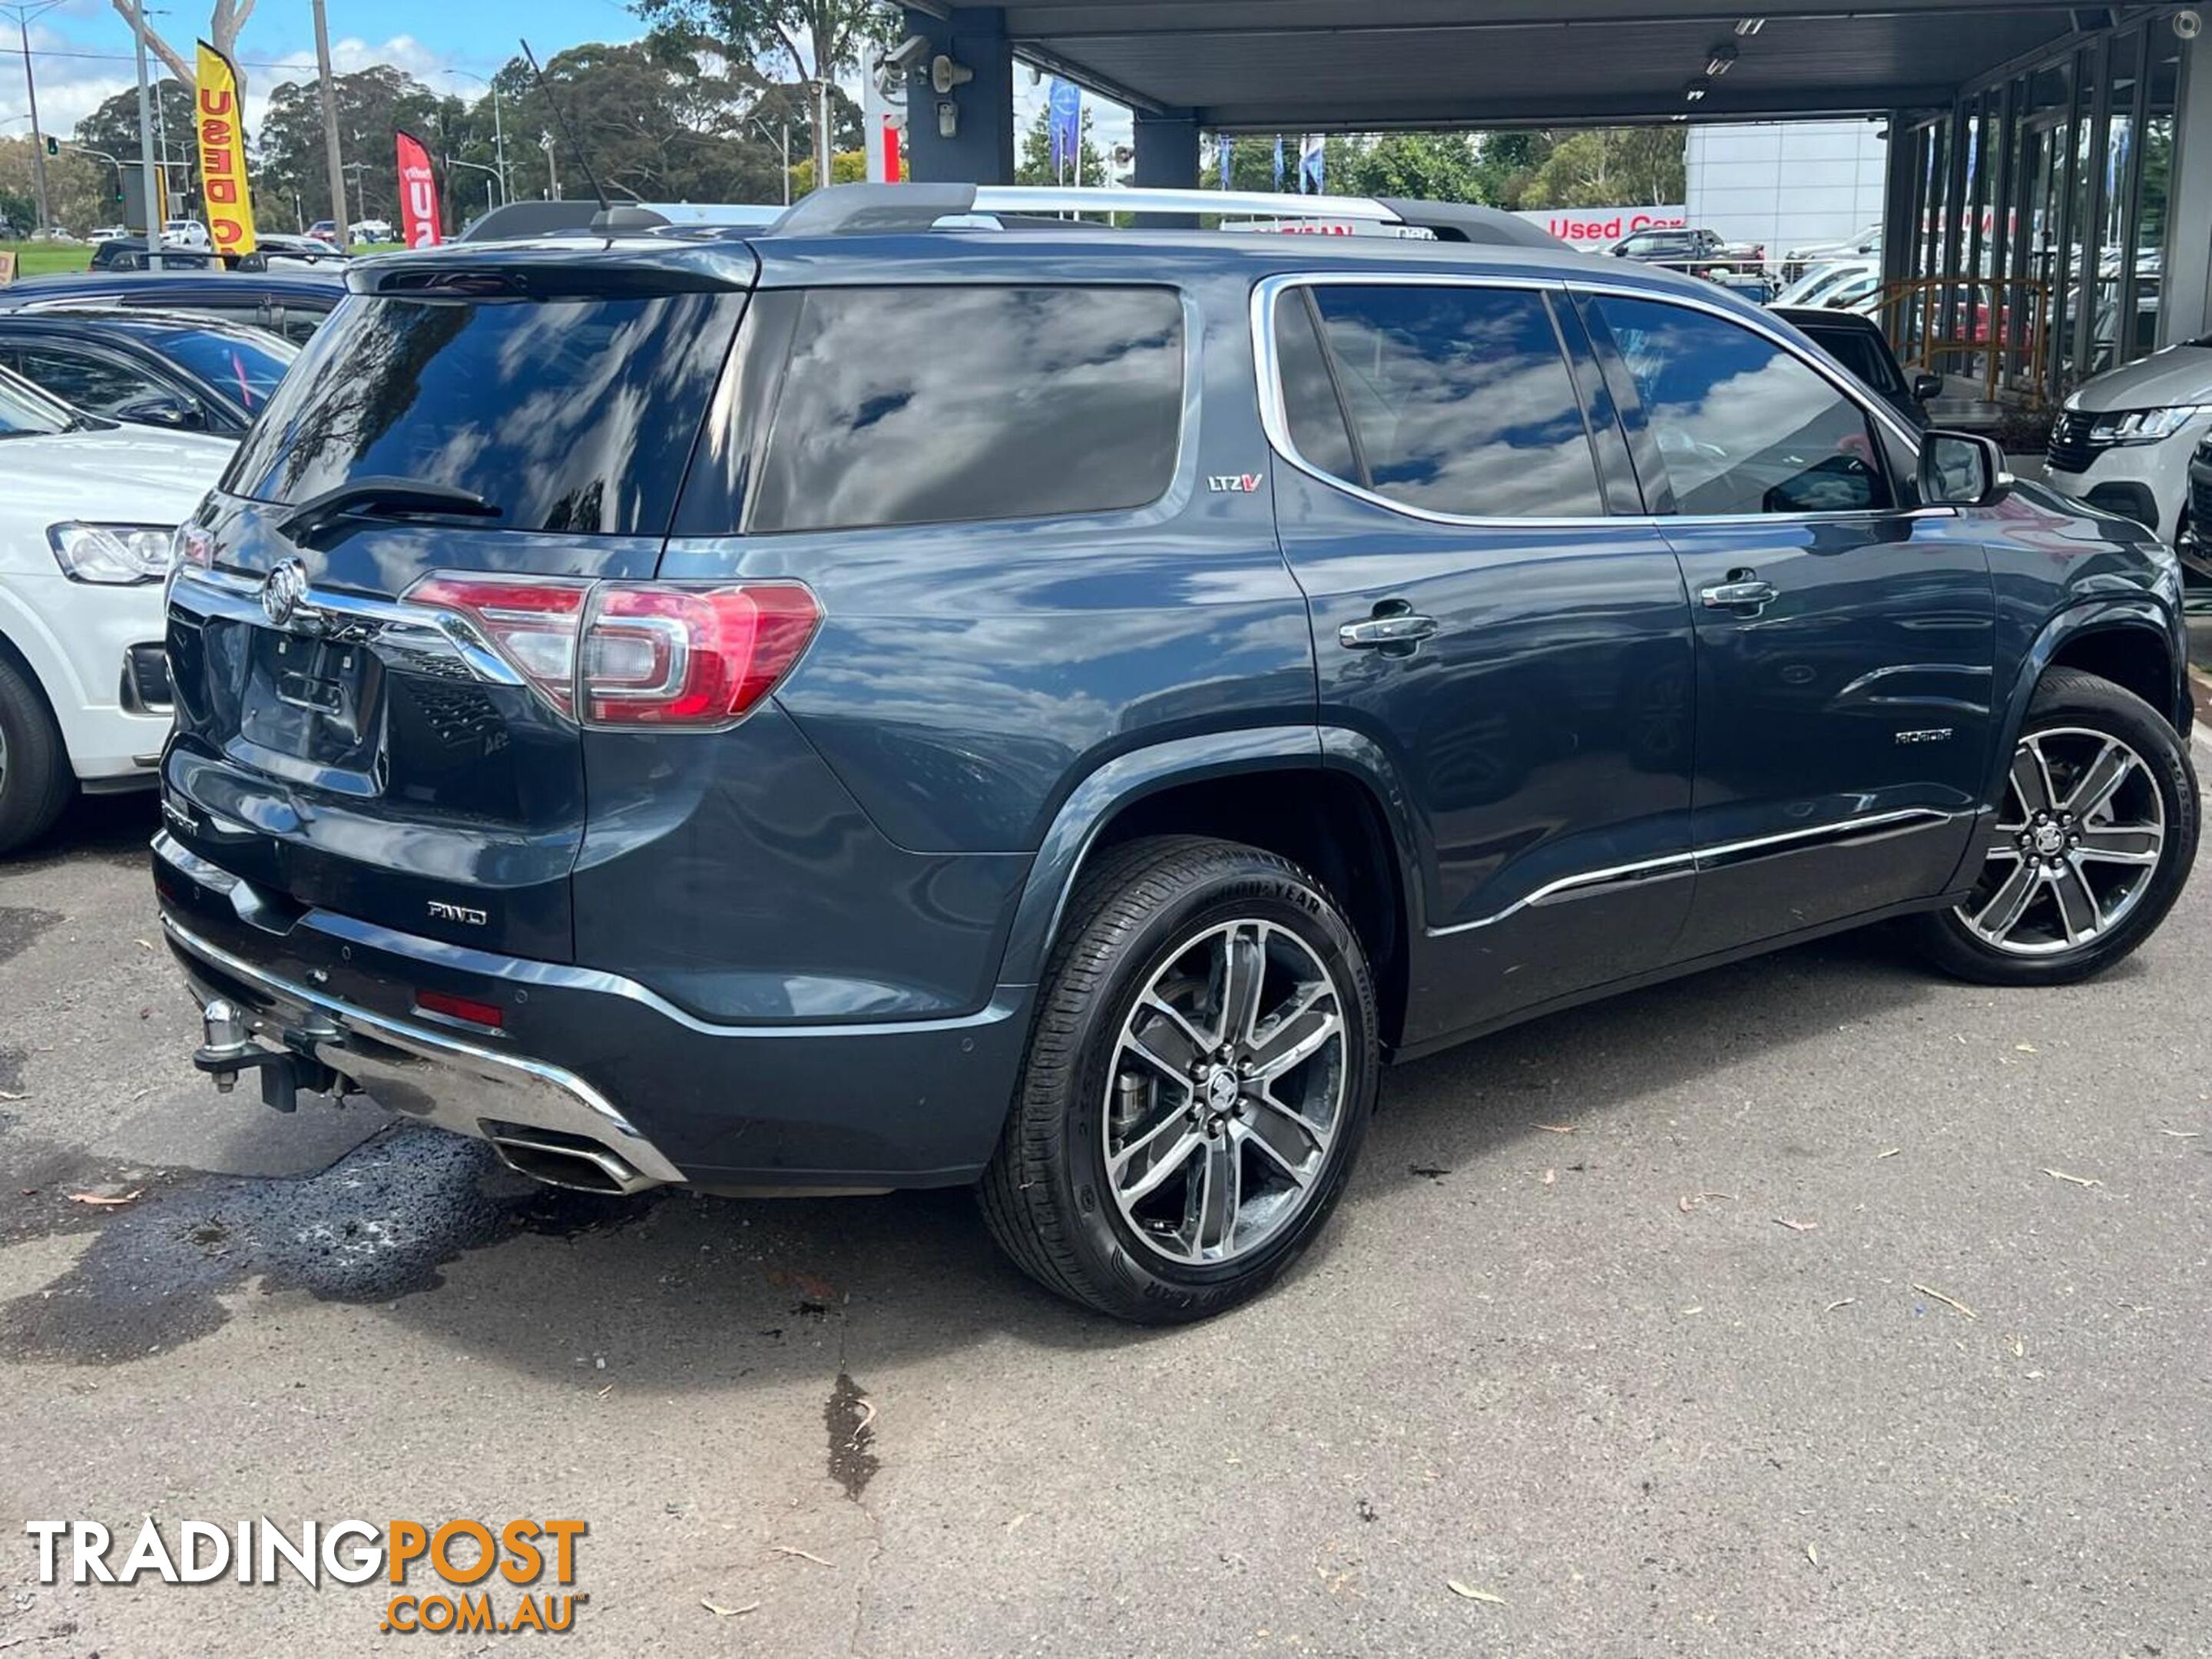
x,y
1720,59
1750,25
1695,88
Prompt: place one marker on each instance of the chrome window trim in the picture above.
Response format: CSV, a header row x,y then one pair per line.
x,y
1274,418
1704,858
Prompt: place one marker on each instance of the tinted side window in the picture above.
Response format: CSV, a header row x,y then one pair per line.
x,y
1310,401
1459,400
90,382
1859,353
909,406
1742,427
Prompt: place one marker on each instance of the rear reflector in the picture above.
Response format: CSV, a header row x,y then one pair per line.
x,y
453,1008
636,653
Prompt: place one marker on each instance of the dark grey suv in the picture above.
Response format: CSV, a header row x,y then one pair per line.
x,y
867,704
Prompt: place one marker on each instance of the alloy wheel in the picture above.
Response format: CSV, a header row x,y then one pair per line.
x,y
2074,850
1226,1090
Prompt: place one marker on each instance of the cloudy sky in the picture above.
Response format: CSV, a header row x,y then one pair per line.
x,y
80,50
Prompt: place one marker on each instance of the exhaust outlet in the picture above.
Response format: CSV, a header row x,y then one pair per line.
x,y
578,1168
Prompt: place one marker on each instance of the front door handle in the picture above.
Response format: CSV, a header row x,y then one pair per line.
x,y
1727,596
1401,628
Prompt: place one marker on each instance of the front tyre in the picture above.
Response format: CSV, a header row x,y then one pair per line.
x,y
1201,1075
2090,846
35,780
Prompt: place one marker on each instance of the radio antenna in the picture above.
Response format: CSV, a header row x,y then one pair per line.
x,y
562,121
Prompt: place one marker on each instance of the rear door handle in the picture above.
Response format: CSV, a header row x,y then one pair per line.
x,y
1400,629
1727,596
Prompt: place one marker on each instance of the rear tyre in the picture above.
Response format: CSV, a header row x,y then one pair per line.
x,y
2091,844
1200,1077
35,780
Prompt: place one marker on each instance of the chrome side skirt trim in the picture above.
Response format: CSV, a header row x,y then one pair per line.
x,y
1706,858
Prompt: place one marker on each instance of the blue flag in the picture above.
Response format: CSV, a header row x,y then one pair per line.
x,y
1225,147
1278,161
1309,165
1065,103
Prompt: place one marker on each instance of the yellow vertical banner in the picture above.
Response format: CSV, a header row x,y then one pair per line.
x,y
220,126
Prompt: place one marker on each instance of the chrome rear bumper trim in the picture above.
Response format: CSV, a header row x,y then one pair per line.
x,y
439,1079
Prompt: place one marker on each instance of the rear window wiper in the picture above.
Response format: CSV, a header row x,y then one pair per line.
x,y
378,498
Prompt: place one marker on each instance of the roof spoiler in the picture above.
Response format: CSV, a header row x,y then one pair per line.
x,y
849,209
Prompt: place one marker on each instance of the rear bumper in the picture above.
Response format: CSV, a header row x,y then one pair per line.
x,y
584,1053
454,1085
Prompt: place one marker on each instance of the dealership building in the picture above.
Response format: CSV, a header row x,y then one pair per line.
x,y
2043,173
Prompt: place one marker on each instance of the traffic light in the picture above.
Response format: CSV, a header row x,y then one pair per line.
x,y
54,145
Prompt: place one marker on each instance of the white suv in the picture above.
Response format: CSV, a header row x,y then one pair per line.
x,y
2123,441
87,511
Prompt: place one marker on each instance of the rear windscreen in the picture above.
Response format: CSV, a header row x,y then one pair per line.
x,y
571,415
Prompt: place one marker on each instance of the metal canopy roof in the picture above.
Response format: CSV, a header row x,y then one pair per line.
x,y
1303,65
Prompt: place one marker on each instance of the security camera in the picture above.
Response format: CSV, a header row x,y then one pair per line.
x,y
908,56
946,73
2189,24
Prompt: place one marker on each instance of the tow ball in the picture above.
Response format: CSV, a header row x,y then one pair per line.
x,y
230,1050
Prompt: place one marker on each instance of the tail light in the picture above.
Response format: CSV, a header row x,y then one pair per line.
x,y
636,653
532,624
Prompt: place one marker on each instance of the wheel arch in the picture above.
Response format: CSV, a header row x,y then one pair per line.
x,y
1311,796
2129,642
17,624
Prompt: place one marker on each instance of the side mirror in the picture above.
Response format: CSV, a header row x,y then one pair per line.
x,y
163,408
1926,388
1961,469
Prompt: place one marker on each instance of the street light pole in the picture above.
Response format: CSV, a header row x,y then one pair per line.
x,y
23,16
332,158
499,141
498,132
147,182
783,138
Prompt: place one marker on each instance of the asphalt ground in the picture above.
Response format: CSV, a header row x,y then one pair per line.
x,y
1814,1305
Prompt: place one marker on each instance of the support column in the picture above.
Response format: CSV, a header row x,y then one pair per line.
x,y
1167,159
2185,311
1900,221
980,149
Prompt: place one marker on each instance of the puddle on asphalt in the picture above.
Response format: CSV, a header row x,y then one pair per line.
x,y
851,1421
377,1224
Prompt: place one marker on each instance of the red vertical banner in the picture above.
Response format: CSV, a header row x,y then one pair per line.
x,y
418,194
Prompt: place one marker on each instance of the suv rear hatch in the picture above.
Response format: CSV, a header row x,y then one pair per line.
x,y
357,732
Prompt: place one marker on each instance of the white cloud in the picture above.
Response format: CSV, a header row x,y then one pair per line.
x,y
75,77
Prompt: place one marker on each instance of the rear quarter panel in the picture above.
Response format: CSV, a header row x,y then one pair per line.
x,y
967,677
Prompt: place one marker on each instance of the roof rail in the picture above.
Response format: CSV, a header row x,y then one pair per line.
x,y
849,209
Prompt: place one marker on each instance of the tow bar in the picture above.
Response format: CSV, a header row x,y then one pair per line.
x,y
230,1050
